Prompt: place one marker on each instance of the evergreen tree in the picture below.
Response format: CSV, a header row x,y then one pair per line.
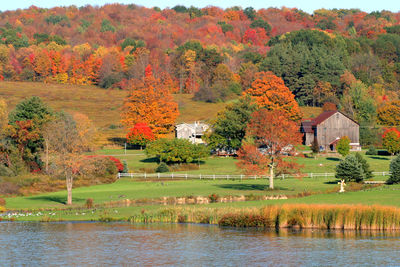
x,y
394,171
365,166
350,169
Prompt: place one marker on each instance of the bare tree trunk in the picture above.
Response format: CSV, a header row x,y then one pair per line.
x,y
69,180
271,176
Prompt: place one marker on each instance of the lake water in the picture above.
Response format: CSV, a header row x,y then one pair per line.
x,y
100,244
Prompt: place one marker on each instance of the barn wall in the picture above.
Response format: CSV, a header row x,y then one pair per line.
x,y
309,138
337,126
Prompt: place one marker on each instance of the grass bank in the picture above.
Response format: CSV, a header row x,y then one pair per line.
x,y
346,217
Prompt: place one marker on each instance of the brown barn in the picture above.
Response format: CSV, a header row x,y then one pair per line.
x,y
329,127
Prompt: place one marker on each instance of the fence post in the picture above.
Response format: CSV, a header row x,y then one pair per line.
x,y
131,175
200,176
227,177
283,176
186,176
311,175
145,176
214,176
172,175
241,177
326,175
158,175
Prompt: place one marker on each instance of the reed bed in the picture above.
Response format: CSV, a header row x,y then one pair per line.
x,y
346,217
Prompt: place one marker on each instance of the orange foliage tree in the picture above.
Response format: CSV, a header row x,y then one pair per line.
x,y
270,92
276,134
389,114
149,102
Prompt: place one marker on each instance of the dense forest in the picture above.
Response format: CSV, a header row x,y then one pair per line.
x,y
347,57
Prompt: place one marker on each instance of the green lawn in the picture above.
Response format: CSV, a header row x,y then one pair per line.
x,y
127,188
324,163
385,195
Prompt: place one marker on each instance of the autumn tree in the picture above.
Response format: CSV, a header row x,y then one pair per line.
x,y
270,92
389,114
391,141
343,146
229,128
66,146
3,115
276,134
150,103
140,135
329,106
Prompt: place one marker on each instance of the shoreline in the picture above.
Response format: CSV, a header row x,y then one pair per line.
x,y
285,216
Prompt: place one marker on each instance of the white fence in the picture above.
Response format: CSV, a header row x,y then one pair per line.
x,y
228,176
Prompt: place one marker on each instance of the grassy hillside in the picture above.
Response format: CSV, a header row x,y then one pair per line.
x,y
102,106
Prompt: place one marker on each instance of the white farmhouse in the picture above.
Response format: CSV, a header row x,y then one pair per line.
x,y
191,131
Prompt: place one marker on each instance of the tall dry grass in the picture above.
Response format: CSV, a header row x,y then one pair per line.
x,y
346,217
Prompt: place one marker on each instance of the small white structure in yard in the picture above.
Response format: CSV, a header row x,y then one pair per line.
x,y
191,131
342,184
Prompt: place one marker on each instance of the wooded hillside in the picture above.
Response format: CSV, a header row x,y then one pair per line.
x,y
347,57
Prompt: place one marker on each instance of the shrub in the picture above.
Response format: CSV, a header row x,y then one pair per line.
x,y
315,146
2,209
89,203
343,146
2,202
98,166
8,188
162,167
117,162
350,169
125,170
4,171
213,198
177,151
395,171
371,151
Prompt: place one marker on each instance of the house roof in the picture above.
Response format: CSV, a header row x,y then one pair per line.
x,y
308,124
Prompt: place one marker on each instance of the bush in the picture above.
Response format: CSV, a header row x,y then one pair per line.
x,y
213,198
162,167
371,151
98,166
89,203
395,171
343,146
125,170
8,188
177,151
350,169
2,202
4,171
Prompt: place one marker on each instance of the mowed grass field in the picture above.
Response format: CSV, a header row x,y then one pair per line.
x,y
138,161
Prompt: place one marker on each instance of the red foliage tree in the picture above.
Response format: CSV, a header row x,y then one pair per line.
x,y
140,135
276,134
